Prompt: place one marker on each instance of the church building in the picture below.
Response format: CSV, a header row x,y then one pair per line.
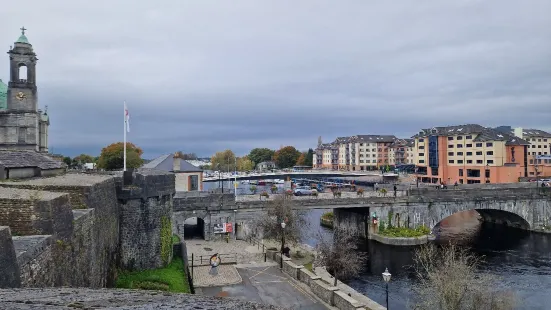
x,y
22,125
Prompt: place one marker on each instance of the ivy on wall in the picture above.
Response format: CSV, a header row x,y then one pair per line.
x,y
166,240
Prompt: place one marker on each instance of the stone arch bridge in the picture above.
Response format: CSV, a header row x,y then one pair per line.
x,y
519,205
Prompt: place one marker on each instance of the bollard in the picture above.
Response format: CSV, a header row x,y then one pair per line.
x,y
264,256
192,267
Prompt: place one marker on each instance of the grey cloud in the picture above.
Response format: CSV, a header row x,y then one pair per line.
x,y
208,75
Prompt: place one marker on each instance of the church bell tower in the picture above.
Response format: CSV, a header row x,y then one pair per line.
x,y
23,125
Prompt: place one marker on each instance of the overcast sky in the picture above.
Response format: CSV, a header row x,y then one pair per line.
x,y
202,76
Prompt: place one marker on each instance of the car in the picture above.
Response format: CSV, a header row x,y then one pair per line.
x,y
303,190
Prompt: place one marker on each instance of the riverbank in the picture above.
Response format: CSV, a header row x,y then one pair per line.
x,y
400,241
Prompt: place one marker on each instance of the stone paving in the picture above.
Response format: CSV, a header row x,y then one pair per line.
x,y
227,275
244,251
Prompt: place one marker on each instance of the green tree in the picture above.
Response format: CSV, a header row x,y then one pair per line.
x,y
309,161
111,157
223,161
286,156
83,159
259,155
244,164
68,161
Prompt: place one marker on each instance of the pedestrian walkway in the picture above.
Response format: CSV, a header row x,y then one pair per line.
x,y
265,283
226,275
244,251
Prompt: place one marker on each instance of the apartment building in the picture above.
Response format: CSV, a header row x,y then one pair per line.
x,y
539,151
355,153
469,154
401,152
326,156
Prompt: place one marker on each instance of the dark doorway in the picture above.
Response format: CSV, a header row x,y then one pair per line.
x,y
194,228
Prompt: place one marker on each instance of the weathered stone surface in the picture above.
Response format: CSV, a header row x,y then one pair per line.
x,y
9,271
398,240
35,260
67,298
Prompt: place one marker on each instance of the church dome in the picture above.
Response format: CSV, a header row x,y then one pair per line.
x,y
22,39
3,95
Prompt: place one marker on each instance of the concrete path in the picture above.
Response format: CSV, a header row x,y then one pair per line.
x,y
226,275
265,283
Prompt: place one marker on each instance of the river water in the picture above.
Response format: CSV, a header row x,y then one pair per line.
x,y
521,259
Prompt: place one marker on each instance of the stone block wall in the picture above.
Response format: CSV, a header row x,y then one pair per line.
x,y
146,221
36,260
9,271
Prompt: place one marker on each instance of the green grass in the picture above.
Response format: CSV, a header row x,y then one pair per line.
x,y
308,266
171,278
175,239
327,215
404,232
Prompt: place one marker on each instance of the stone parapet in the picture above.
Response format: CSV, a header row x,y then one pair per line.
x,y
9,270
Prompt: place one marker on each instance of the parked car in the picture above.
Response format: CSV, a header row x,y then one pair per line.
x,y
303,190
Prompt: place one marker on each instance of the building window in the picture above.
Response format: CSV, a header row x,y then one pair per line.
x,y
459,153
421,147
478,153
489,144
487,173
460,161
450,138
421,161
473,173
450,146
459,138
460,172
490,161
450,153
469,153
469,145
490,153
421,154
451,161
459,145
421,140
479,145
193,182
468,137
479,161
531,161
469,161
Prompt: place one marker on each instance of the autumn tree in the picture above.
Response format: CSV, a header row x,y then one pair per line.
x,y
259,155
450,278
286,156
111,157
280,210
244,164
223,161
339,254
301,159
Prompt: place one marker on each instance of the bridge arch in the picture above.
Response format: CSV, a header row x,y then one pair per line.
x,y
495,216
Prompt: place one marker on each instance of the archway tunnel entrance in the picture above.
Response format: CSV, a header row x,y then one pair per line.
x,y
194,228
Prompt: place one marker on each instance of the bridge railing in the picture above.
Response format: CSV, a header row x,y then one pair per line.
x,y
204,260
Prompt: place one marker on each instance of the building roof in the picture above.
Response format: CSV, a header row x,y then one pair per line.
x,y
375,138
22,39
482,133
402,143
166,163
27,159
535,133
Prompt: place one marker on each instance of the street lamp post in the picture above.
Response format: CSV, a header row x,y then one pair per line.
x,y
417,176
282,243
386,277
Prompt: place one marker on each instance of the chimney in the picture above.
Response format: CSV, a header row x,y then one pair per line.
x,y
518,132
176,162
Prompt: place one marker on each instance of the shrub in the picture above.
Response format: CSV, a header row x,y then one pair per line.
x,y
273,189
264,194
392,231
252,189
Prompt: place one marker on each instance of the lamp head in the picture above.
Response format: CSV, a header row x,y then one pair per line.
x,y
283,224
386,275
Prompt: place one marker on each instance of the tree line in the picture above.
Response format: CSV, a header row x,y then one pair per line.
x,y
111,158
285,157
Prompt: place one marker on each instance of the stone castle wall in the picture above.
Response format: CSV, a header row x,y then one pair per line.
x,y
80,219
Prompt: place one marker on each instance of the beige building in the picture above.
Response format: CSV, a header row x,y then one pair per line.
x,y
188,177
401,152
540,145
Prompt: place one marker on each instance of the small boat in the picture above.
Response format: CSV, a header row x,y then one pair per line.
x,y
245,182
253,182
280,181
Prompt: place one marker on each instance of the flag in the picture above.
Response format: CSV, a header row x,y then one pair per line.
x,y
126,118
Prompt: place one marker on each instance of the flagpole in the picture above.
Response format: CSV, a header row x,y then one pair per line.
x,y
124,142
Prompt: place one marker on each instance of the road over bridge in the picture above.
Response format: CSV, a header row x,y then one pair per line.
x,y
300,175
519,205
